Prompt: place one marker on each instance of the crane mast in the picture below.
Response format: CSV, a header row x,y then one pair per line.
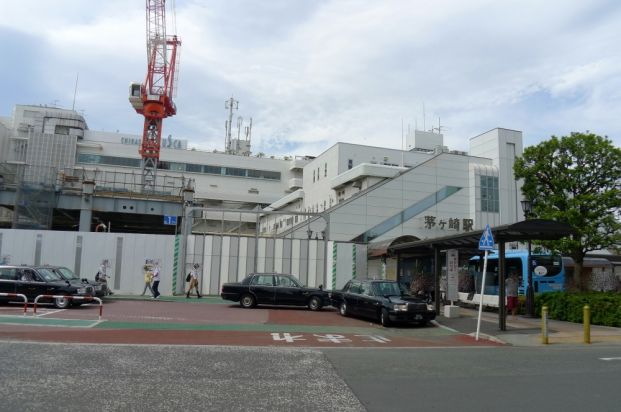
x,y
154,98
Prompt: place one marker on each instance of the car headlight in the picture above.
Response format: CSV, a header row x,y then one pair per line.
x,y
400,307
430,307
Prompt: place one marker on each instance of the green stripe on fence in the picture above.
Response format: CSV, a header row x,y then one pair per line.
x,y
175,265
334,254
353,263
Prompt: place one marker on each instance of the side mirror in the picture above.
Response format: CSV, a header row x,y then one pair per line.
x,y
320,287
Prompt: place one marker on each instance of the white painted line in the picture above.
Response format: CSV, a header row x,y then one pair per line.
x,y
611,359
443,327
51,312
97,322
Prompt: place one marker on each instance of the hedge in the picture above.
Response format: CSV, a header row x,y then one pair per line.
x,y
569,306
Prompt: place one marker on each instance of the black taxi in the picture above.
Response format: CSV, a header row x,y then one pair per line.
x,y
383,300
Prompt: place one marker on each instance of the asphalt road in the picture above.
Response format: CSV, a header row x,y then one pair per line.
x,y
483,379
53,377
41,376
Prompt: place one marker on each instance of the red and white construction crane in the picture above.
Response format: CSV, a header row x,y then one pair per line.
x,y
154,98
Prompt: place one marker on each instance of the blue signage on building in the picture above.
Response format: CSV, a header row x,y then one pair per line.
x,y
170,220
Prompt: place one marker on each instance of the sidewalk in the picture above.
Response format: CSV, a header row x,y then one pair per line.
x,y
522,331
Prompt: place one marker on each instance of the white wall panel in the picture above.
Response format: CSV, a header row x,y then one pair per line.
x,y
224,260
207,258
59,248
243,257
18,246
312,263
295,257
278,248
261,255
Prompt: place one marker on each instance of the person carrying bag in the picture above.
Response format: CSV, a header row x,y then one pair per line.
x,y
192,277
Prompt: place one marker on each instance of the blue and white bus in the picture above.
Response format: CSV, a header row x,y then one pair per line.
x,y
547,270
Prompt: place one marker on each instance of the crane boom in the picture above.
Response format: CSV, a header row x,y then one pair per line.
x,y
154,98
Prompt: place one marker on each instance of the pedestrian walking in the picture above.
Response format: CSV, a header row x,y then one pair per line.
x,y
148,278
102,276
156,282
512,285
193,275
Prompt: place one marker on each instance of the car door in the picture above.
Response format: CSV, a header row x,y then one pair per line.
x,y
8,278
368,303
289,292
31,284
351,297
263,288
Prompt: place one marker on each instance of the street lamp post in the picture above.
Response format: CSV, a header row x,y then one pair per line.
x,y
527,207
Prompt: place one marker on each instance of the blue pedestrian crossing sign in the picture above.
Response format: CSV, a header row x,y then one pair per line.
x,y
170,220
487,240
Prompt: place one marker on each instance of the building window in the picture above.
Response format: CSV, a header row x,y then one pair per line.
x,y
193,168
235,171
489,194
350,163
212,170
325,170
108,160
313,176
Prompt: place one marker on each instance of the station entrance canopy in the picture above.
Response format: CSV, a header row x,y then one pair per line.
x,y
533,229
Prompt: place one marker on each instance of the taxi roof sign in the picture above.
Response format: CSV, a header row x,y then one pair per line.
x,y
487,240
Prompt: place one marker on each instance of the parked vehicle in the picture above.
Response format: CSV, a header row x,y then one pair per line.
x,y
383,300
274,289
68,274
32,282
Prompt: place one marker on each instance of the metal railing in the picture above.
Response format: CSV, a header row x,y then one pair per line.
x,y
15,295
88,298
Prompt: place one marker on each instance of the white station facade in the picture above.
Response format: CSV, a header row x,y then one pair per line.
x,y
366,193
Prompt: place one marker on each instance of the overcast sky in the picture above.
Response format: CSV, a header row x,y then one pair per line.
x,y
315,72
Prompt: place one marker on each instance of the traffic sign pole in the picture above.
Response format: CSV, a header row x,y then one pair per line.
x,y
486,243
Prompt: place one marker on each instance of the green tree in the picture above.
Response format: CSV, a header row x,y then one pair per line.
x,y
575,179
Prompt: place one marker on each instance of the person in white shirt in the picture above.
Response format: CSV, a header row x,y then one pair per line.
x,y
194,282
102,276
512,285
156,282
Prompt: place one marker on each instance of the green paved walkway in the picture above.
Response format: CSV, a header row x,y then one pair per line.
x,y
180,298
40,321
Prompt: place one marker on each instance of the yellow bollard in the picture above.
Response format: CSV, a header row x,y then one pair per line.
x,y
586,318
544,325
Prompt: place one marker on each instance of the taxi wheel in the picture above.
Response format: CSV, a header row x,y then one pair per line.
x,y
384,319
62,303
343,309
247,301
314,303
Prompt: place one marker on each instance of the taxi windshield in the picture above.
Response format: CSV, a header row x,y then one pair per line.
x,y
67,273
49,275
388,289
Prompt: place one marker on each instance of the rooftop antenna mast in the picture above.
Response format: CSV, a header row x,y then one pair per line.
x,y
75,90
439,128
230,105
248,131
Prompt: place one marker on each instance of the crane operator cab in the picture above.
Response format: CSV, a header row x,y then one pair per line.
x,y
135,98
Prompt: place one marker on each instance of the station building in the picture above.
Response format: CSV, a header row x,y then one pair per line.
x,y
350,194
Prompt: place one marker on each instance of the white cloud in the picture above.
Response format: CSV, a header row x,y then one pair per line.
x,y
312,73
